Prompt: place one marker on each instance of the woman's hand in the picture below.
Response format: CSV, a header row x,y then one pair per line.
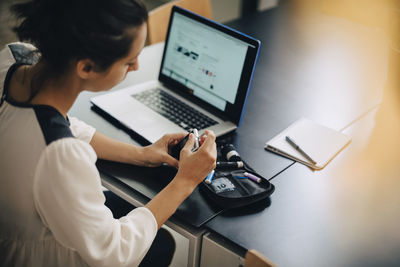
x,y
156,154
195,166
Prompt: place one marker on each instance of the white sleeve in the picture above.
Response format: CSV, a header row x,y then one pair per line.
x,y
81,130
69,199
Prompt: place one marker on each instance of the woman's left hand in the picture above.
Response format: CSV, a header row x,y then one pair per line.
x,y
156,154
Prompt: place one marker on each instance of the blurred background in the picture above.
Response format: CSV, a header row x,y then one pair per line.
x,y
223,11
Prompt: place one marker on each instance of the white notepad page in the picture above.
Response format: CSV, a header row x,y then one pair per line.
x,y
321,143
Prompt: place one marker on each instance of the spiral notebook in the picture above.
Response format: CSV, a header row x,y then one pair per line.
x,y
320,143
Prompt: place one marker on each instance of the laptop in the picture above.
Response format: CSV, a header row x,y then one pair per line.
x,y
203,82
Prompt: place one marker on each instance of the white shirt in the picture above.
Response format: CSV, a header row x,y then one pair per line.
x,y
51,199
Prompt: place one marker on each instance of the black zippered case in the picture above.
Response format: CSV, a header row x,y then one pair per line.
x,y
227,190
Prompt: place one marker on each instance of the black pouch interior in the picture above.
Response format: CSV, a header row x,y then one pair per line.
x,y
228,191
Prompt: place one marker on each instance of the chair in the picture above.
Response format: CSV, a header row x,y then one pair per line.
x,y
254,258
159,17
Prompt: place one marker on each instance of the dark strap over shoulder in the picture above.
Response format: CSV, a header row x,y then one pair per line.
x,y
23,55
7,80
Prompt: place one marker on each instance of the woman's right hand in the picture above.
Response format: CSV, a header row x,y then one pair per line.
x,y
195,166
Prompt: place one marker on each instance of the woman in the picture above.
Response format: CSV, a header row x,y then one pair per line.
x,y
51,198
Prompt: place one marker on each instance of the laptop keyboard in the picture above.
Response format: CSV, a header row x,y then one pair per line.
x,y
174,110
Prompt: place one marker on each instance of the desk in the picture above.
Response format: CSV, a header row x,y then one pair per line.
x,y
341,216
309,66
345,214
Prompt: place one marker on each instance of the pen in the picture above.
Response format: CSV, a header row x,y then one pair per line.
x,y
209,177
293,144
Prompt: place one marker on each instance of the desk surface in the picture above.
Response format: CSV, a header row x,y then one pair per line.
x,y
343,215
310,66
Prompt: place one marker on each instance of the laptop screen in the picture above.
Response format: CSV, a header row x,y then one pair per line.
x,y
208,61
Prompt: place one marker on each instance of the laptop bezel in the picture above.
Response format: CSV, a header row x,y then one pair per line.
x,y
233,112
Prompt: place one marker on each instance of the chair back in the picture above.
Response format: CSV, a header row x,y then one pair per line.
x,y
159,17
255,259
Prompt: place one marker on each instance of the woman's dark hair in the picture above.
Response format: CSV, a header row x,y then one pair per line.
x,y
67,30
